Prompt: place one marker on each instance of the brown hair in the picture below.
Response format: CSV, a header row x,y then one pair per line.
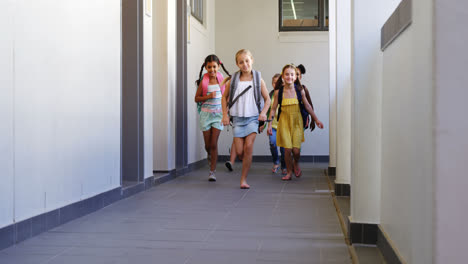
x,y
279,83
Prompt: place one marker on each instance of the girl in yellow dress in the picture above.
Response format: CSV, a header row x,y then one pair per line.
x,y
290,132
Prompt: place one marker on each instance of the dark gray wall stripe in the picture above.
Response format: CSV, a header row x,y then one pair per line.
x,y
362,233
267,158
342,189
372,234
396,24
389,253
181,102
132,148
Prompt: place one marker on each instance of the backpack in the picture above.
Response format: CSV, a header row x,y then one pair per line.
x,y
304,113
205,82
257,88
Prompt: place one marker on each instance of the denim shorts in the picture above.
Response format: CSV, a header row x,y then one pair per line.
x,y
244,126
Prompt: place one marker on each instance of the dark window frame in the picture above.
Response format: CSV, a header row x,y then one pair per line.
x,y
321,19
197,8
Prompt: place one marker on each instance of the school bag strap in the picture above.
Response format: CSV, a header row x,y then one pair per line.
x,y
206,82
257,83
304,112
239,95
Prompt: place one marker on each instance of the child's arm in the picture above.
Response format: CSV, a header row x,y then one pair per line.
x,y
199,97
266,98
309,109
224,100
273,112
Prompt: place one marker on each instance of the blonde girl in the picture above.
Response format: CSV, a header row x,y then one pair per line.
x,y
246,109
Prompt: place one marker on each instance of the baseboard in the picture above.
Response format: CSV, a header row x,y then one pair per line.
x,y
331,171
373,234
28,228
362,233
267,158
387,248
36,225
342,189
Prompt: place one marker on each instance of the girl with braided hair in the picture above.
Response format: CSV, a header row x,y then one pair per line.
x,y
208,99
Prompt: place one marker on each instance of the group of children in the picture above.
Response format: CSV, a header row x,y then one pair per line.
x,y
242,100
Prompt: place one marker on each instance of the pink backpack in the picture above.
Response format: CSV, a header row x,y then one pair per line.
x,y
205,82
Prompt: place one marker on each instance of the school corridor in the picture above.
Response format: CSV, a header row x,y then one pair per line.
x,y
102,153
190,220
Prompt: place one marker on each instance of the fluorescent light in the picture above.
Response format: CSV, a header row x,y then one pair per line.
x,y
294,9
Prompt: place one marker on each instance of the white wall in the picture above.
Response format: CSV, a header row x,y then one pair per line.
x,y
257,30
450,128
60,134
201,43
407,138
343,92
148,93
367,107
164,85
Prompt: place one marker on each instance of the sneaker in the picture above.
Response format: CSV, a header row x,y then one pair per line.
x,y
228,165
212,176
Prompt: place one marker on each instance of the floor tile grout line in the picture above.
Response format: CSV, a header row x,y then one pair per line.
x,y
59,254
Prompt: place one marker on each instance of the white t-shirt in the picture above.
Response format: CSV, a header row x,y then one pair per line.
x,y
245,105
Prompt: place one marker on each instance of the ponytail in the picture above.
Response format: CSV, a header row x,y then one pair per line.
x,y
200,76
224,69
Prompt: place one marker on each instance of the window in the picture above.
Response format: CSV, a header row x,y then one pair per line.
x,y
197,9
303,15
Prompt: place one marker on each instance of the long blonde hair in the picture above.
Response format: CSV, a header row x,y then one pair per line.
x,y
244,51
241,51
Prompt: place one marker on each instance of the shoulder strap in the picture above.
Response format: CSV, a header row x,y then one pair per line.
x,y
237,97
233,86
280,100
220,78
205,82
257,82
298,93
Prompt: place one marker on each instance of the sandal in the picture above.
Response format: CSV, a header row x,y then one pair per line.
x,y
284,171
298,173
286,178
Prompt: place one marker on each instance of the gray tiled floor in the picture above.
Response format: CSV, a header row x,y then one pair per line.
x,y
190,220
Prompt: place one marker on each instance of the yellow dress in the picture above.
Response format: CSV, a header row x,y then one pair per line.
x,y
290,132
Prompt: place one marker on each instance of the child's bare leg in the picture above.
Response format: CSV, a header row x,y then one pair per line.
x,y
233,153
297,155
289,164
214,147
247,158
207,139
232,157
239,147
